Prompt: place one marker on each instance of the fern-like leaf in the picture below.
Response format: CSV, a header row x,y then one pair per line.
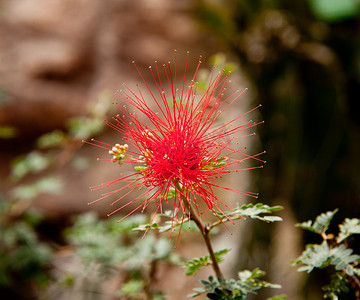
x,y
253,211
315,256
321,223
197,263
347,228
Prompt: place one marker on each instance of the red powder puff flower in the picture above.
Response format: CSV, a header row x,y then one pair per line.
x,y
178,152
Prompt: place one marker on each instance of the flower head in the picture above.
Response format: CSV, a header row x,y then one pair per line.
x,y
179,151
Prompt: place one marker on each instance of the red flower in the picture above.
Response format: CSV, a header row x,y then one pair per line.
x,y
179,151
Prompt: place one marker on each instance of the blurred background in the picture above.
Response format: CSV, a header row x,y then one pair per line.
x,y
61,61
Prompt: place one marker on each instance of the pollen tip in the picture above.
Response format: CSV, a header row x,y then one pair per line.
x,y
264,161
98,158
175,50
133,62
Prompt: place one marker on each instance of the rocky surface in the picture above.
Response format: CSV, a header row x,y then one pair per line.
x,y
55,56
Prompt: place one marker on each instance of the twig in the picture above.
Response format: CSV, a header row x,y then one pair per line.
x,y
205,233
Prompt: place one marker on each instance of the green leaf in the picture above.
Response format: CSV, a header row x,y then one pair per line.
x,y
51,139
145,227
213,164
334,10
347,228
321,223
49,185
253,211
315,256
342,258
81,128
271,218
197,263
249,282
278,297
131,288
171,194
34,162
127,225
7,132
339,284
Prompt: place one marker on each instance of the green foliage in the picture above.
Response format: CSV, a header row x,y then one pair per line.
x,y
89,235
7,132
333,10
253,211
48,185
217,164
339,284
321,223
331,252
315,256
115,245
278,297
23,257
220,63
164,226
219,60
52,139
197,263
132,288
349,227
32,163
82,128
248,283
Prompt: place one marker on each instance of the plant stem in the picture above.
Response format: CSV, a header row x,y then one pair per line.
x,y
151,279
206,235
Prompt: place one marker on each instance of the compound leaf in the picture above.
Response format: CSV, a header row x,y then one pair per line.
x,y
347,228
321,223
